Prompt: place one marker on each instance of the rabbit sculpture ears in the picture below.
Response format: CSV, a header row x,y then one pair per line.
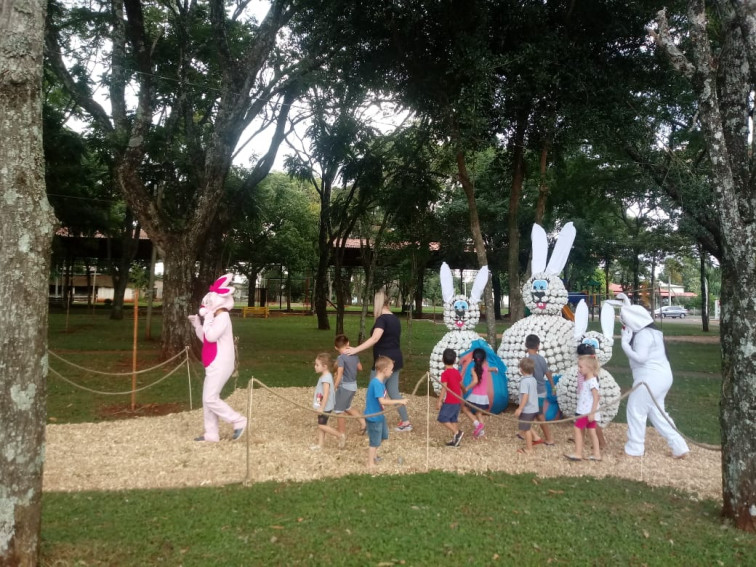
x,y
540,244
447,284
601,342
220,295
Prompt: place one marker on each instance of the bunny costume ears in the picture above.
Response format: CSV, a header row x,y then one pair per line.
x,y
222,286
447,284
633,316
220,295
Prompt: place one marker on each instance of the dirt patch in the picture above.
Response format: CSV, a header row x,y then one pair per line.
x,y
159,452
125,411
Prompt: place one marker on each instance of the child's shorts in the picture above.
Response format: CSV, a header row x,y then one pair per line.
x,y
525,421
475,408
377,432
583,423
449,413
343,400
323,418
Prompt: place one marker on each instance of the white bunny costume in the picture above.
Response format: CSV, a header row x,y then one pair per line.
x,y
218,357
609,390
460,317
644,347
545,295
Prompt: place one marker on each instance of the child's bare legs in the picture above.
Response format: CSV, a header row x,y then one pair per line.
x,y
372,451
528,440
341,424
453,427
355,413
600,435
323,429
545,429
595,442
578,442
468,413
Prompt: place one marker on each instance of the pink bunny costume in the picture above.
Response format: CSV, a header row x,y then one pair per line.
x,y
644,347
218,357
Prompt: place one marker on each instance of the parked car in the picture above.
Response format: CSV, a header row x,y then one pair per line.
x,y
671,311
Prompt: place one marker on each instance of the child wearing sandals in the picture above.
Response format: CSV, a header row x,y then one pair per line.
x,y
323,401
527,412
587,407
478,393
347,366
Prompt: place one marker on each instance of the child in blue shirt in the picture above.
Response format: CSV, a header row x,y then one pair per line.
x,y
375,398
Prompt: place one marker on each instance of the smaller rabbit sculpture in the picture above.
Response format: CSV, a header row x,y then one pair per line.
x,y
602,343
461,315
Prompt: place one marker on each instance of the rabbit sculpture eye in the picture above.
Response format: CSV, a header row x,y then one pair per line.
x,y
544,295
461,315
609,390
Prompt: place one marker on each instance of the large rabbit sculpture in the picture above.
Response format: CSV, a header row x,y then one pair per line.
x,y
460,316
609,390
544,295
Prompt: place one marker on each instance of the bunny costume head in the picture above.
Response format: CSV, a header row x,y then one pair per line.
x,y
544,293
220,296
634,317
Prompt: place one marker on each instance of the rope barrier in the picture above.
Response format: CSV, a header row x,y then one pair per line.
x,y
129,373
102,393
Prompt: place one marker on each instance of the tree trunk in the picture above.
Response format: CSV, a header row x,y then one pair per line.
x,y
724,85
480,245
26,234
420,284
120,268
543,189
340,288
704,290
496,286
320,299
177,299
516,305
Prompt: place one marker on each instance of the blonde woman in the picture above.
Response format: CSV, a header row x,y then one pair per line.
x,y
385,339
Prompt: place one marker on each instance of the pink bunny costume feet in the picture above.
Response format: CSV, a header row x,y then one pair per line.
x,y
213,327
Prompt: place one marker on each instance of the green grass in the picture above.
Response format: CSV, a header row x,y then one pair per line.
x,y
279,351
425,519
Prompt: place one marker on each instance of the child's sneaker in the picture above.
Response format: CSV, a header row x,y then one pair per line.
x,y
479,430
404,426
458,438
